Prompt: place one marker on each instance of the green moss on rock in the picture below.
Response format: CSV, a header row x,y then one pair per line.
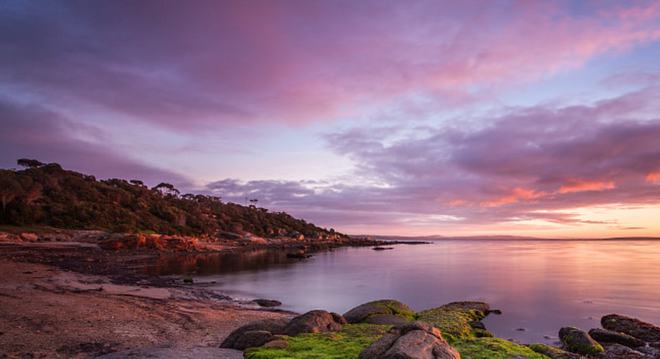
x,y
493,348
348,343
454,319
579,341
552,352
363,312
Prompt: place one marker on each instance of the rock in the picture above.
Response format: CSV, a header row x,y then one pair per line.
x,y
382,248
386,319
273,326
315,321
267,303
482,307
298,255
578,341
380,346
362,312
553,352
618,351
252,338
649,350
457,319
29,237
605,336
339,318
631,326
416,340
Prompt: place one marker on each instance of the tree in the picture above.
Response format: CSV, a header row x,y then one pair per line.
x,y
137,182
28,163
167,188
9,188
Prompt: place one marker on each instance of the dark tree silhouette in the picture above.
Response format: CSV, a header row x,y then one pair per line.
x,y
26,162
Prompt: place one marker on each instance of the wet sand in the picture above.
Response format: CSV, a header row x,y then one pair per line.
x,y
49,311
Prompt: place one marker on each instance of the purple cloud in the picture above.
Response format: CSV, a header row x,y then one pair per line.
x,y
34,132
536,163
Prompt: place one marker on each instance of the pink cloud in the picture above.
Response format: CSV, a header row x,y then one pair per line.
x,y
653,177
518,194
215,62
586,185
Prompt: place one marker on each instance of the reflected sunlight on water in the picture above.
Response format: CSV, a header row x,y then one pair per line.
x,y
539,285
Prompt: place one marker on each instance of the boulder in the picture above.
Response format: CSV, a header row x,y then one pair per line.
x,y
268,303
417,340
650,351
389,307
315,321
339,318
631,326
579,341
252,338
553,352
272,326
605,336
386,319
481,307
618,351
29,237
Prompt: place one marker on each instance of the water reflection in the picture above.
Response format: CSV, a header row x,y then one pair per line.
x,y
218,263
540,285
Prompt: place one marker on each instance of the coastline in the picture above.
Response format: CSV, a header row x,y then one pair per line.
x,y
75,299
62,295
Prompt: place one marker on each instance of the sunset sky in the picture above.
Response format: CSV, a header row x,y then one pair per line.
x,y
383,117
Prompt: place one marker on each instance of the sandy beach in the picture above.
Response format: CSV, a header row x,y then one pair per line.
x,y
50,311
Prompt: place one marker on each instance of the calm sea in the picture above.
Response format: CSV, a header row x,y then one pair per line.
x,y
540,285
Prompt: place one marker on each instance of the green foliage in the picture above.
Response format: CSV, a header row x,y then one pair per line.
x,y
46,194
348,343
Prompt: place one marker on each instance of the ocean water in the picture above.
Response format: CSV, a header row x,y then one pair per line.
x,y
540,285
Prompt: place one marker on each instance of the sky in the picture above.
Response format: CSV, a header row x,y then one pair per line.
x,y
531,118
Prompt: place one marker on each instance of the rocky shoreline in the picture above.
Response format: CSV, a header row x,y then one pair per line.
x,y
388,329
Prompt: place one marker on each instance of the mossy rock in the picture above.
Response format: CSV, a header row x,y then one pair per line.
x,y
454,319
456,322
579,341
493,348
348,343
552,352
385,307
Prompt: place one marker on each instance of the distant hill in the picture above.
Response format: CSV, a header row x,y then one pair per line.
x,y
46,194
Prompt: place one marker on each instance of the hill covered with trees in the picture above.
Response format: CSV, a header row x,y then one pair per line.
x,y
46,194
